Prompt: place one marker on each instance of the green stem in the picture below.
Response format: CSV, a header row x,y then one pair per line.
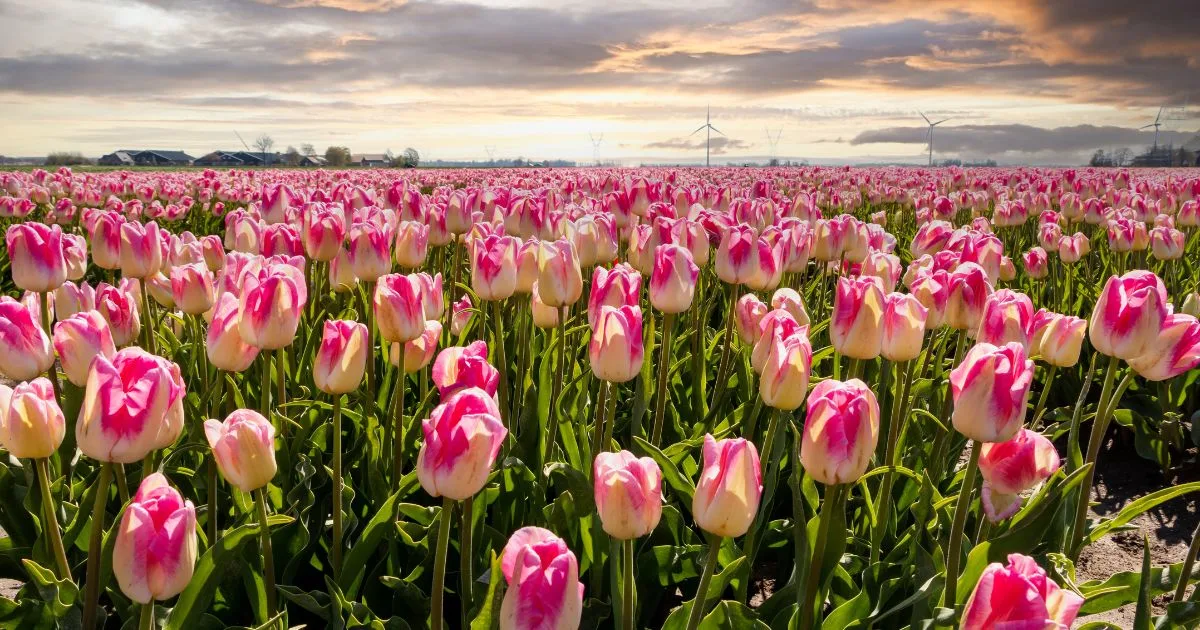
x,y
611,419
265,393
501,362
91,596
809,608
372,355
1099,428
338,484
884,510
722,384
439,565
147,319
1037,412
50,526
398,424
465,550
710,565
281,374
630,591
661,392
601,414
961,508
1187,566
146,620
556,385
122,485
264,531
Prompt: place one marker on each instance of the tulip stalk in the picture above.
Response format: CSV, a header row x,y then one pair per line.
x,y
961,508
338,483
1099,428
1186,574
50,526
899,408
465,543
439,565
398,423
629,600
710,565
664,367
264,530
146,619
501,362
556,386
809,607
723,366
1041,405
91,597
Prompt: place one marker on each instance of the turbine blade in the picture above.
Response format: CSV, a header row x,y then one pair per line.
x,y
939,122
698,130
716,130
1146,126
922,115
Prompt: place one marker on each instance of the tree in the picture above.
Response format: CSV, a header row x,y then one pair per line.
x,y
291,157
65,158
264,143
410,159
1123,156
337,156
308,150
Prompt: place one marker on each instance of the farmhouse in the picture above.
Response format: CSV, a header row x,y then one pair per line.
x,y
144,157
370,160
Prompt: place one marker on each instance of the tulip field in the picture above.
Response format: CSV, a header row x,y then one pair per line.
x,y
786,398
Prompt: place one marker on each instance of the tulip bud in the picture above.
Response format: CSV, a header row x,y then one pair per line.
x,y
224,344
544,317
106,240
155,550
969,291
399,307
790,301
460,315
244,449
76,255
673,279
342,357
78,339
1012,467
1019,595
412,244
25,350
903,333
141,249
494,268
543,592
461,367
341,275
324,231
840,432
729,489
527,265
560,282
418,352
272,300
1007,316
620,286
131,406
119,307
856,327
1129,314
1175,350
615,350
1191,304
31,423
35,251
748,311
1059,339
628,494
71,298
786,369
192,288
886,267
462,438
1036,263
990,389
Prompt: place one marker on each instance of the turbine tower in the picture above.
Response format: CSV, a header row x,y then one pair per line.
x,y
931,126
774,141
1156,124
596,147
490,149
707,135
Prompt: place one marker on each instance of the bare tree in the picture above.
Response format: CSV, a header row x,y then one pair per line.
x,y
1123,156
411,159
308,149
264,144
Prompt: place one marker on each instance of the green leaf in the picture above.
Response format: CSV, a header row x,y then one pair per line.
x,y
1137,508
355,564
60,595
211,568
730,614
680,484
1141,617
849,614
489,610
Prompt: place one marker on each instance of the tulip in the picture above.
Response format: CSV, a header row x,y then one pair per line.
x,y
78,339
1191,304
272,300
746,258
224,344
615,350
412,244
460,315
841,431
729,489
159,287
118,306
969,291
370,251
628,494
527,265
786,370
1167,244
462,438
213,251
155,550
25,350
932,290
1007,316
324,232
280,239
856,327
1072,248
141,249
886,267
341,275
1036,263
399,307
244,448
790,301
71,298
192,288
132,404
35,252
1175,350
341,358
1059,339
990,390
545,317
620,286
106,240
1019,595
748,312
560,282
431,295
1128,315
931,238
494,268
776,324
543,592
76,255
903,327
1012,467
31,423
463,367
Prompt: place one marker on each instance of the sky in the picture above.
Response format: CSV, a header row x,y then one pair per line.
x,y
1020,81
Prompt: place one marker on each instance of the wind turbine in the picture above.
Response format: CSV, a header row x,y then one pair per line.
x,y
774,140
490,149
596,147
707,135
1156,124
931,126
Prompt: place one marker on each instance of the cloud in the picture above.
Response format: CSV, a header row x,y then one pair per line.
x,y
718,145
998,140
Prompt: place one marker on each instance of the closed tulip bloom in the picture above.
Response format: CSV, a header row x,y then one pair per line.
x,y
544,317
840,432
990,389
543,592
560,281
1036,263
886,267
129,406
461,367
213,252
155,550
616,287
76,254
192,288
432,295
31,423
159,286
931,238
1007,316
748,311
119,307
342,357
1012,467
399,307
280,239
1129,314
1175,350
224,344
856,328
78,339
615,350
71,298
790,301
903,327
1072,248
730,487
412,244
932,290
244,449
141,249
460,315
969,291
1167,243
106,240
494,267
776,324
324,232
35,251
271,302
786,370
1049,235
419,352
1060,339
628,493
341,275
370,250
462,438
1019,595
1191,304
673,279
527,265
25,350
